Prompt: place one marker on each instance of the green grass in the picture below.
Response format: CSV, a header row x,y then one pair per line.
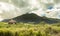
x,y
29,29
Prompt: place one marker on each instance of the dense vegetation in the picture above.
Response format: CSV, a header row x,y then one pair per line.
x,y
30,25
29,29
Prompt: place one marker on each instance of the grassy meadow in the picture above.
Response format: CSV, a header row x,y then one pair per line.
x,y
29,29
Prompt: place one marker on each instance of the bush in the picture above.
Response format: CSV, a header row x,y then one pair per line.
x,y
29,30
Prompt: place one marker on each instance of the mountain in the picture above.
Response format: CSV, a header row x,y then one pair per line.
x,y
26,18
12,8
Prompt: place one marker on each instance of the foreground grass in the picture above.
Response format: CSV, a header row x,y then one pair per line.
x,y
29,29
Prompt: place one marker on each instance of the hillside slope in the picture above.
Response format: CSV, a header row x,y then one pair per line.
x,y
35,18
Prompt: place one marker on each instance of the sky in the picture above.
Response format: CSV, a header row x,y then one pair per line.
x,y
45,6
11,8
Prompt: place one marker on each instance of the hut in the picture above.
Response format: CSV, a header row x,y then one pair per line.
x,y
11,21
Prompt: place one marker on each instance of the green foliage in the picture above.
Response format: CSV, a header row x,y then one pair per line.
x,y
26,29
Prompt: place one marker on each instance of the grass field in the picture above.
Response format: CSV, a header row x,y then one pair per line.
x,y
29,29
